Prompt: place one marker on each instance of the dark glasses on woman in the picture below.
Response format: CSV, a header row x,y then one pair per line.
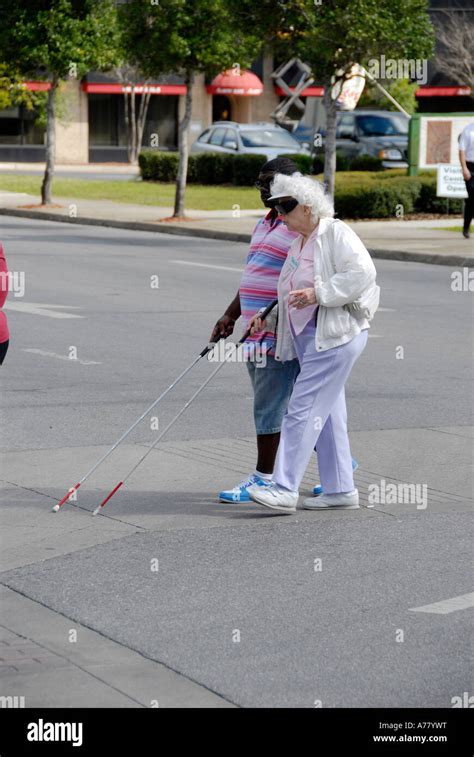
x,y
264,183
283,207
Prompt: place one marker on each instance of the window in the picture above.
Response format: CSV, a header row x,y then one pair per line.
x,y
217,136
230,139
345,127
17,127
205,136
268,138
107,121
161,120
381,126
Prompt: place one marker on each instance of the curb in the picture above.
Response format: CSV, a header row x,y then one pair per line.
x,y
455,260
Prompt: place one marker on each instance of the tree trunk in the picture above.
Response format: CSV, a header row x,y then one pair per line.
x,y
50,144
126,98
133,125
135,121
142,113
330,140
183,146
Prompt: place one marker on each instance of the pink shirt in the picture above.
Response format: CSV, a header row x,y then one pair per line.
x,y
259,285
298,273
4,333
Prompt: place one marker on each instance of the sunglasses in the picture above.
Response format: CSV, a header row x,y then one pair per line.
x,y
264,183
285,206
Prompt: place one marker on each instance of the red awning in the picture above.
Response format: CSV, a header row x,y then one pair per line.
x,y
421,92
442,91
37,86
113,88
234,83
308,92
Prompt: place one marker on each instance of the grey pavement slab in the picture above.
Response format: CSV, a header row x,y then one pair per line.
x,y
177,485
306,635
243,610
41,650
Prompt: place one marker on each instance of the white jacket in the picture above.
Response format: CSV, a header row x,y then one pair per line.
x,y
343,271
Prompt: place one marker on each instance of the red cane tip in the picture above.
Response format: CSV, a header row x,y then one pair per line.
x,y
65,498
109,496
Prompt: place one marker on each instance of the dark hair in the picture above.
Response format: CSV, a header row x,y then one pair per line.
x,y
279,165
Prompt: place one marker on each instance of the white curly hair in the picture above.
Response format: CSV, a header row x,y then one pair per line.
x,y
306,190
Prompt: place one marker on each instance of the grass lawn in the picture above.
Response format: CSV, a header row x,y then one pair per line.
x,y
458,229
198,196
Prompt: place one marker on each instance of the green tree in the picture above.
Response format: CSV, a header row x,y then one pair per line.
x,y
176,36
12,89
402,90
334,36
55,40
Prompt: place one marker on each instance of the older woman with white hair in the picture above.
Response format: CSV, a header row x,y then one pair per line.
x,y
326,297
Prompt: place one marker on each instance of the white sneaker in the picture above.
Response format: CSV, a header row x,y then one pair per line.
x,y
337,501
274,497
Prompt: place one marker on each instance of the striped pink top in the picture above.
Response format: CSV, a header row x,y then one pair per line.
x,y
259,284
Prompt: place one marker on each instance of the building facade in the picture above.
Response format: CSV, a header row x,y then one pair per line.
x,y
92,126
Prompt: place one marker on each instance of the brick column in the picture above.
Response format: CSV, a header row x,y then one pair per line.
x,y
202,109
72,132
264,104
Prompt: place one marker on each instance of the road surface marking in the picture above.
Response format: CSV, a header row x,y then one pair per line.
x,y
38,308
61,357
208,265
447,605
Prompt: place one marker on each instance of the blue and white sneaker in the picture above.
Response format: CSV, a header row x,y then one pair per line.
x,y
318,490
239,493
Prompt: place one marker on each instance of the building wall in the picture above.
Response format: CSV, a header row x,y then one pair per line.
x,y
202,109
265,103
72,132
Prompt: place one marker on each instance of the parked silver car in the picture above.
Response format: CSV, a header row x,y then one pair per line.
x,y
245,139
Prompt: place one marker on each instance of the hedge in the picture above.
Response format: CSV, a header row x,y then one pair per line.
x,y
240,170
246,169
304,163
365,163
158,166
391,198
372,195
342,163
203,167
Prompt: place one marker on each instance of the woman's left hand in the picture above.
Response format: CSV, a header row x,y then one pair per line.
x,y
301,298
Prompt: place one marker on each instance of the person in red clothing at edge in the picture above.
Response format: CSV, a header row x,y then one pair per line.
x,y
4,334
272,381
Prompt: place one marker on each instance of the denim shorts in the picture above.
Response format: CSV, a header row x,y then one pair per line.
x,y
272,388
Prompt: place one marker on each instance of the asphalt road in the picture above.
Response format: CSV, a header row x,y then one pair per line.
x,y
136,339
350,634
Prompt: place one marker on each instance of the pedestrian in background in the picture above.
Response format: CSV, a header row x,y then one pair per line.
x,y
4,333
466,158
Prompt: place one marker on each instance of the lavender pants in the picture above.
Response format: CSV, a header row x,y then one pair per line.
x,y
317,414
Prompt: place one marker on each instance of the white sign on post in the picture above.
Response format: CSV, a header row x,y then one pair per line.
x,y
450,181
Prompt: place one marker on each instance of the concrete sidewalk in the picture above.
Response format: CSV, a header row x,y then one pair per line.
x,y
169,596
423,241
81,629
